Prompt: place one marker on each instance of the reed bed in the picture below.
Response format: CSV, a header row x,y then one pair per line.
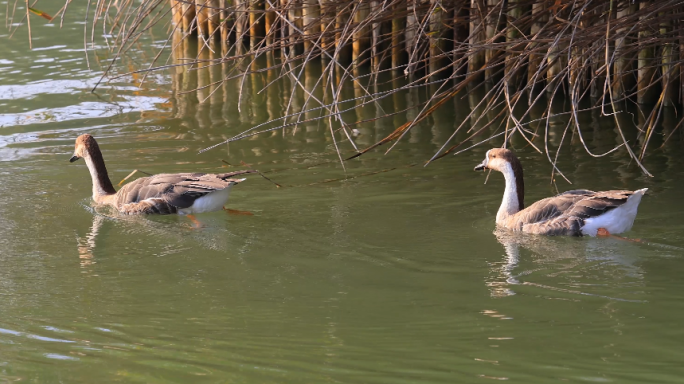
x,y
608,55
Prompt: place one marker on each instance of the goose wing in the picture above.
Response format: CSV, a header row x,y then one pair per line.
x,y
565,214
167,193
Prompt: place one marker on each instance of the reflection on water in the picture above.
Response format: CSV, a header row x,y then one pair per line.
x,y
610,257
382,271
86,245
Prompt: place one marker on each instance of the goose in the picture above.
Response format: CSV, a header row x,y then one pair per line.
x,y
164,193
572,213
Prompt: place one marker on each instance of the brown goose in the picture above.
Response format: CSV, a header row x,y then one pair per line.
x,y
573,213
165,193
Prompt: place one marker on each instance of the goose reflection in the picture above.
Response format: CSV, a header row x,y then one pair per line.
x,y
86,245
575,265
158,236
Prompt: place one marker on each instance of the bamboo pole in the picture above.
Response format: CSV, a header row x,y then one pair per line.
x,y
460,29
623,78
215,88
576,70
327,25
202,17
598,60
410,35
681,59
438,18
256,23
554,61
203,75
311,23
177,75
668,70
213,17
513,68
476,56
272,105
646,64
398,37
554,66
241,18
375,37
292,19
188,16
361,43
342,46
259,112
270,24
223,23
177,13
535,60
491,31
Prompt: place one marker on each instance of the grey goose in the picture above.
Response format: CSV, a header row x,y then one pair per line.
x,y
572,213
165,193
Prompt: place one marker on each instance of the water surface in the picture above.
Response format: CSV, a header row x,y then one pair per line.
x,y
385,272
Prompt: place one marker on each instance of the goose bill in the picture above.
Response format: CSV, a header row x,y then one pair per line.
x,y
482,166
73,158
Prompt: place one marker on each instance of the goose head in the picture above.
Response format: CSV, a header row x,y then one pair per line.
x,y
498,159
85,145
86,148
505,161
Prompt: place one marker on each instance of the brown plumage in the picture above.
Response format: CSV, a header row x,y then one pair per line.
x,y
183,193
574,213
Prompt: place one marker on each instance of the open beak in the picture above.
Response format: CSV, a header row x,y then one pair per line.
x,y
482,166
73,158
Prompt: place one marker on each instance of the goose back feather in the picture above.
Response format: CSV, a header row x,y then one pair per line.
x,y
168,193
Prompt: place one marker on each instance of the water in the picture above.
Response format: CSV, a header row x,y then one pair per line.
x,y
387,273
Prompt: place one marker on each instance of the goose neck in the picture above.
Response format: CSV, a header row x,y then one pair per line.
x,y
102,186
512,201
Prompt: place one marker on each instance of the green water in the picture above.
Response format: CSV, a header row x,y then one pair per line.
x,y
386,273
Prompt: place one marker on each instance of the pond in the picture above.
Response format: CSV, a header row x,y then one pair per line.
x,y
381,272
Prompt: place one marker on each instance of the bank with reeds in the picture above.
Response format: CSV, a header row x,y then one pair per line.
x,y
611,55
614,53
